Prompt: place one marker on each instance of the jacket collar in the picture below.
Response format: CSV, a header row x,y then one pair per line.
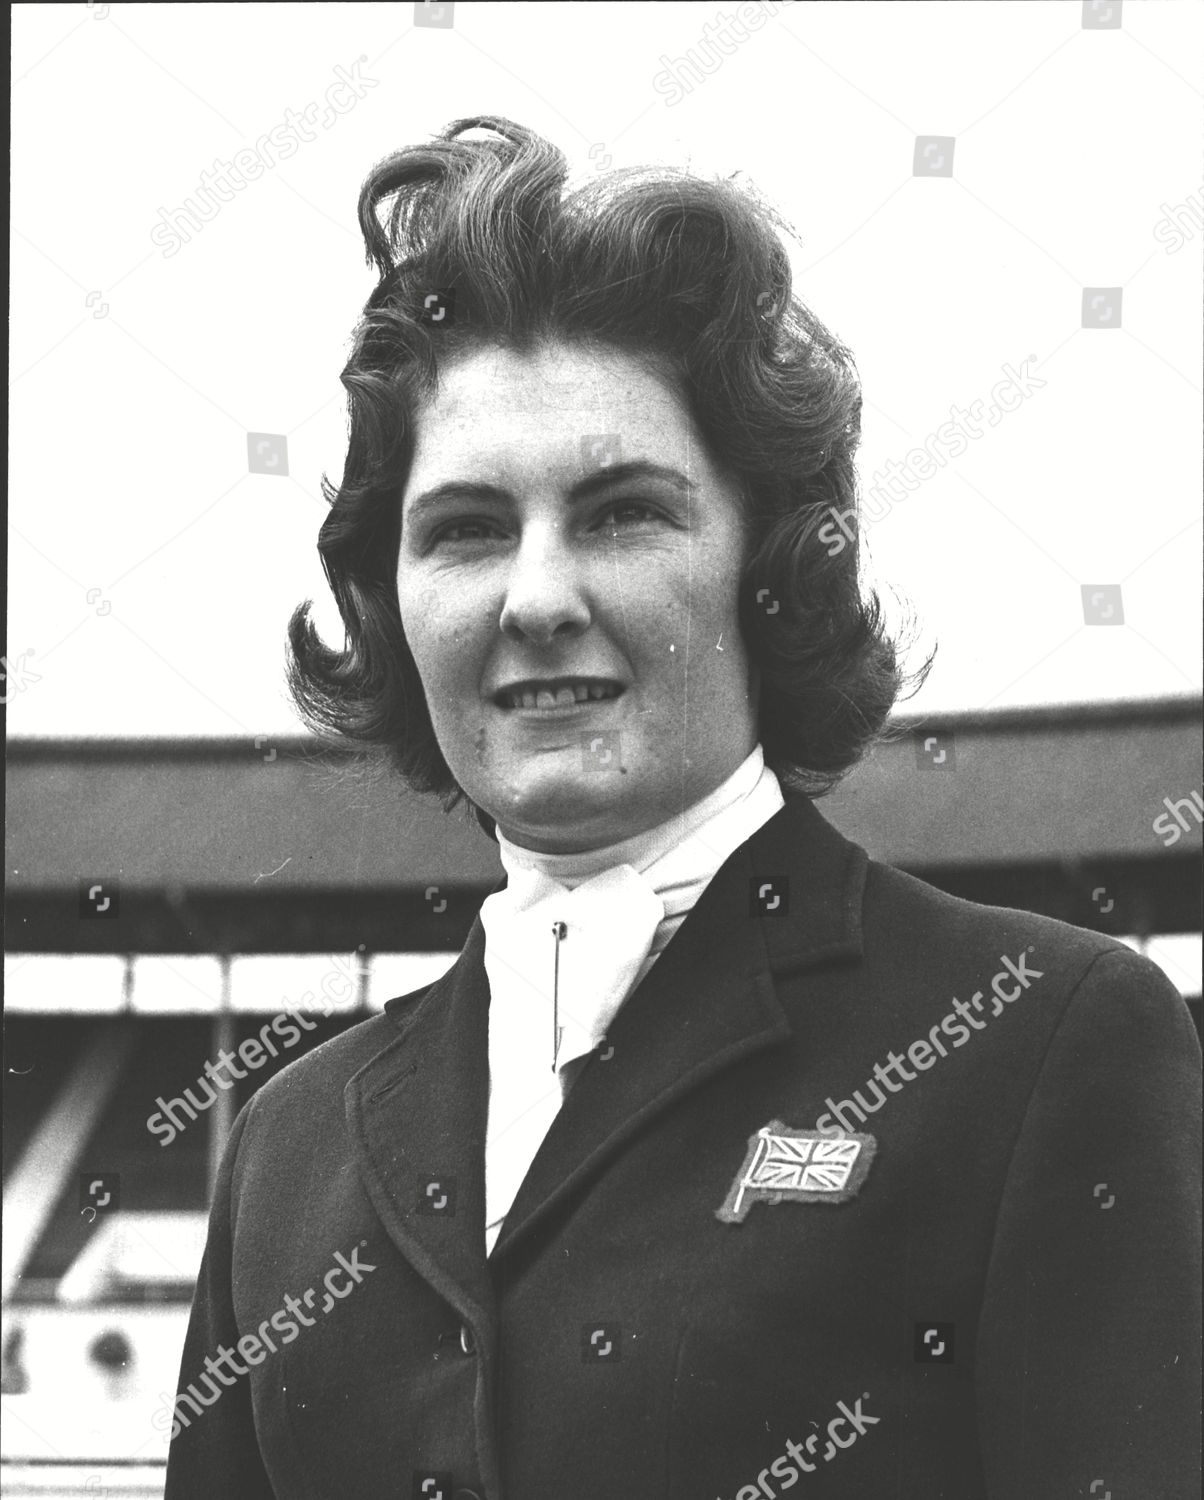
x,y
417,1111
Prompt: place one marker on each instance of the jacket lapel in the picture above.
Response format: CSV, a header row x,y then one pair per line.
x,y
416,1113
710,999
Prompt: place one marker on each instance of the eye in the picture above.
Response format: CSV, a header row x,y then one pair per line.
x,y
471,530
627,513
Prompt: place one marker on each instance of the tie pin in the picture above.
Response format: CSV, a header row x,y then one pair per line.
x,y
558,931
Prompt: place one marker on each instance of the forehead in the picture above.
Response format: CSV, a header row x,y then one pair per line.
x,y
531,411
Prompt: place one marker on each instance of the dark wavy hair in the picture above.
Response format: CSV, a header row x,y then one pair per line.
x,y
682,274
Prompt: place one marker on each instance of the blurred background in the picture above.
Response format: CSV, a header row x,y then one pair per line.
x,y
999,210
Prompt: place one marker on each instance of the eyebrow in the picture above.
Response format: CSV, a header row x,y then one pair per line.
x,y
591,484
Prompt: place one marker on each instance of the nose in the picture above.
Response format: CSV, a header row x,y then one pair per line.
x,y
545,598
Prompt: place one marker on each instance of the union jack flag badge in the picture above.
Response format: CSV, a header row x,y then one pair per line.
x,y
804,1166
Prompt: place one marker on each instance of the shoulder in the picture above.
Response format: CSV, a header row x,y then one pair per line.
x,y
932,940
896,902
316,1080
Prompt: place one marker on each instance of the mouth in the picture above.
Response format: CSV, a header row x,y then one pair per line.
x,y
557,692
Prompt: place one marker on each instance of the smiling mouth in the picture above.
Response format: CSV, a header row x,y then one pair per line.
x,y
558,692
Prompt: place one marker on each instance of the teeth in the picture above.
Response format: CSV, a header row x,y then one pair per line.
x,y
565,697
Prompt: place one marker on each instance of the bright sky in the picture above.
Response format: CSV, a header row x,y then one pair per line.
x,y
151,575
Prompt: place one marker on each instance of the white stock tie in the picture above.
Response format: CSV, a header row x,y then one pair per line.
x,y
559,959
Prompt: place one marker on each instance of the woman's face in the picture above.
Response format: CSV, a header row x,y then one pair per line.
x,y
568,578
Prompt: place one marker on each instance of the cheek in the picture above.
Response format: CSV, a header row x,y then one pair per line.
x,y
690,607
717,645
711,596
723,587
419,626
448,641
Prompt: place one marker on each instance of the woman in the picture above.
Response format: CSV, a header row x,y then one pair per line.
x,y
723,1158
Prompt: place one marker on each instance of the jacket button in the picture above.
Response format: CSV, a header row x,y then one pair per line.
x,y
468,1344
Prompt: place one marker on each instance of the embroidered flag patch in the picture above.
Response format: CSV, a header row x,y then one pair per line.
x,y
801,1165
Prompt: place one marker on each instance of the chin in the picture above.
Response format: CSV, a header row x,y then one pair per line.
x,y
555,805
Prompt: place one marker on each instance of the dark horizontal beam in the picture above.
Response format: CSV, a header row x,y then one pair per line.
x,y
1161,894
1025,786
1116,714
